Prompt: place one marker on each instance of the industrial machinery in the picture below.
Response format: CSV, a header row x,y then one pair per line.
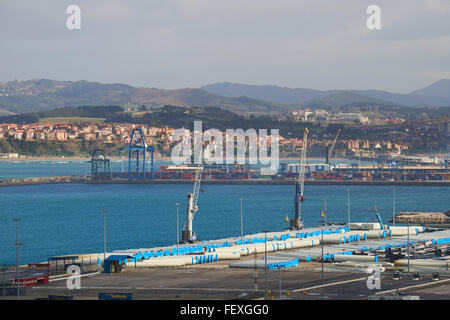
x,y
138,154
297,223
330,148
100,166
187,234
379,218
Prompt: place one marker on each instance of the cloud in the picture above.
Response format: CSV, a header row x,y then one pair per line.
x,y
188,43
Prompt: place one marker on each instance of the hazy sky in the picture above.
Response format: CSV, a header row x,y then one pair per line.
x,y
321,44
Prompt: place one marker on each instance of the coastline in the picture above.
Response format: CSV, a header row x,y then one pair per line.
x,y
117,158
70,179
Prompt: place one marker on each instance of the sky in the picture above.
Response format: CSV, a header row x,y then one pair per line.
x,y
169,44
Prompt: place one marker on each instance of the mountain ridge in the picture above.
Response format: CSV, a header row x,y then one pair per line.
x,y
300,96
44,94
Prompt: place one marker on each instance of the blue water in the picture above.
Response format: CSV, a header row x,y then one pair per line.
x,y
55,168
68,218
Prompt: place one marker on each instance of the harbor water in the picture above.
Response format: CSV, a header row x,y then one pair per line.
x,y
61,219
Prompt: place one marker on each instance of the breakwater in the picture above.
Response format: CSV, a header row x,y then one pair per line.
x,y
88,180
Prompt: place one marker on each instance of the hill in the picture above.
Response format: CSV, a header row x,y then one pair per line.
x,y
86,112
342,99
440,88
437,94
45,94
265,92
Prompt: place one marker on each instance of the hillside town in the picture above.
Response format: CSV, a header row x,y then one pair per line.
x,y
395,143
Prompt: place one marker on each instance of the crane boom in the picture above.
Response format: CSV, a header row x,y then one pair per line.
x,y
296,223
198,177
301,176
379,218
187,234
331,148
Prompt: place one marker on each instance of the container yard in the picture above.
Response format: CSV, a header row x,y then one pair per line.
x,y
235,267
354,260
314,172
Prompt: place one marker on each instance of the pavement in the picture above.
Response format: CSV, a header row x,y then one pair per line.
x,y
217,281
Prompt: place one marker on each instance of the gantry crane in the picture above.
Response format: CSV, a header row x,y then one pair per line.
x,y
188,235
331,147
297,222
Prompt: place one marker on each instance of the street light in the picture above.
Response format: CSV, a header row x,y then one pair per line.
x,y
104,235
178,228
393,209
265,264
18,244
242,229
408,246
321,241
348,209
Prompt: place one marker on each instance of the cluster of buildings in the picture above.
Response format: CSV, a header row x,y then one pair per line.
x,y
89,131
308,115
346,147
431,136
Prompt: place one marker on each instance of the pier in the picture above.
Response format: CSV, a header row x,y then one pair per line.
x,y
261,181
273,265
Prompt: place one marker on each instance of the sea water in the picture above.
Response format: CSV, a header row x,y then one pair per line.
x,y
61,219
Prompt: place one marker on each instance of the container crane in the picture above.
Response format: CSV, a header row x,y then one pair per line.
x,y
331,147
187,234
297,222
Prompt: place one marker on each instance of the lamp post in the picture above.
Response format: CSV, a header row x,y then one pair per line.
x,y
408,245
4,269
265,264
280,282
321,244
104,235
321,241
242,228
178,227
18,244
393,209
348,207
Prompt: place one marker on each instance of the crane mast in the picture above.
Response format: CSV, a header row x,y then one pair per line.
x,y
297,223
331,148
192,198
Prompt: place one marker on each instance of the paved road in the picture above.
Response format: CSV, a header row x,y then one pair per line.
x,y
196,282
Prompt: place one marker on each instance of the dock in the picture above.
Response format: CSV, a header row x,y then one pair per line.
x,y
291,261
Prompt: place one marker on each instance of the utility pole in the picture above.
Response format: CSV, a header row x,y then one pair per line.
x,y
18,244
255,275
104,235
242,229
280,281
4,281
348,207
265,264
321,241
393,209
408,246
178,227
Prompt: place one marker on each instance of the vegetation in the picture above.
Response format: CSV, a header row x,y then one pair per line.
x,y
96,112
183,117
70,120
46,148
